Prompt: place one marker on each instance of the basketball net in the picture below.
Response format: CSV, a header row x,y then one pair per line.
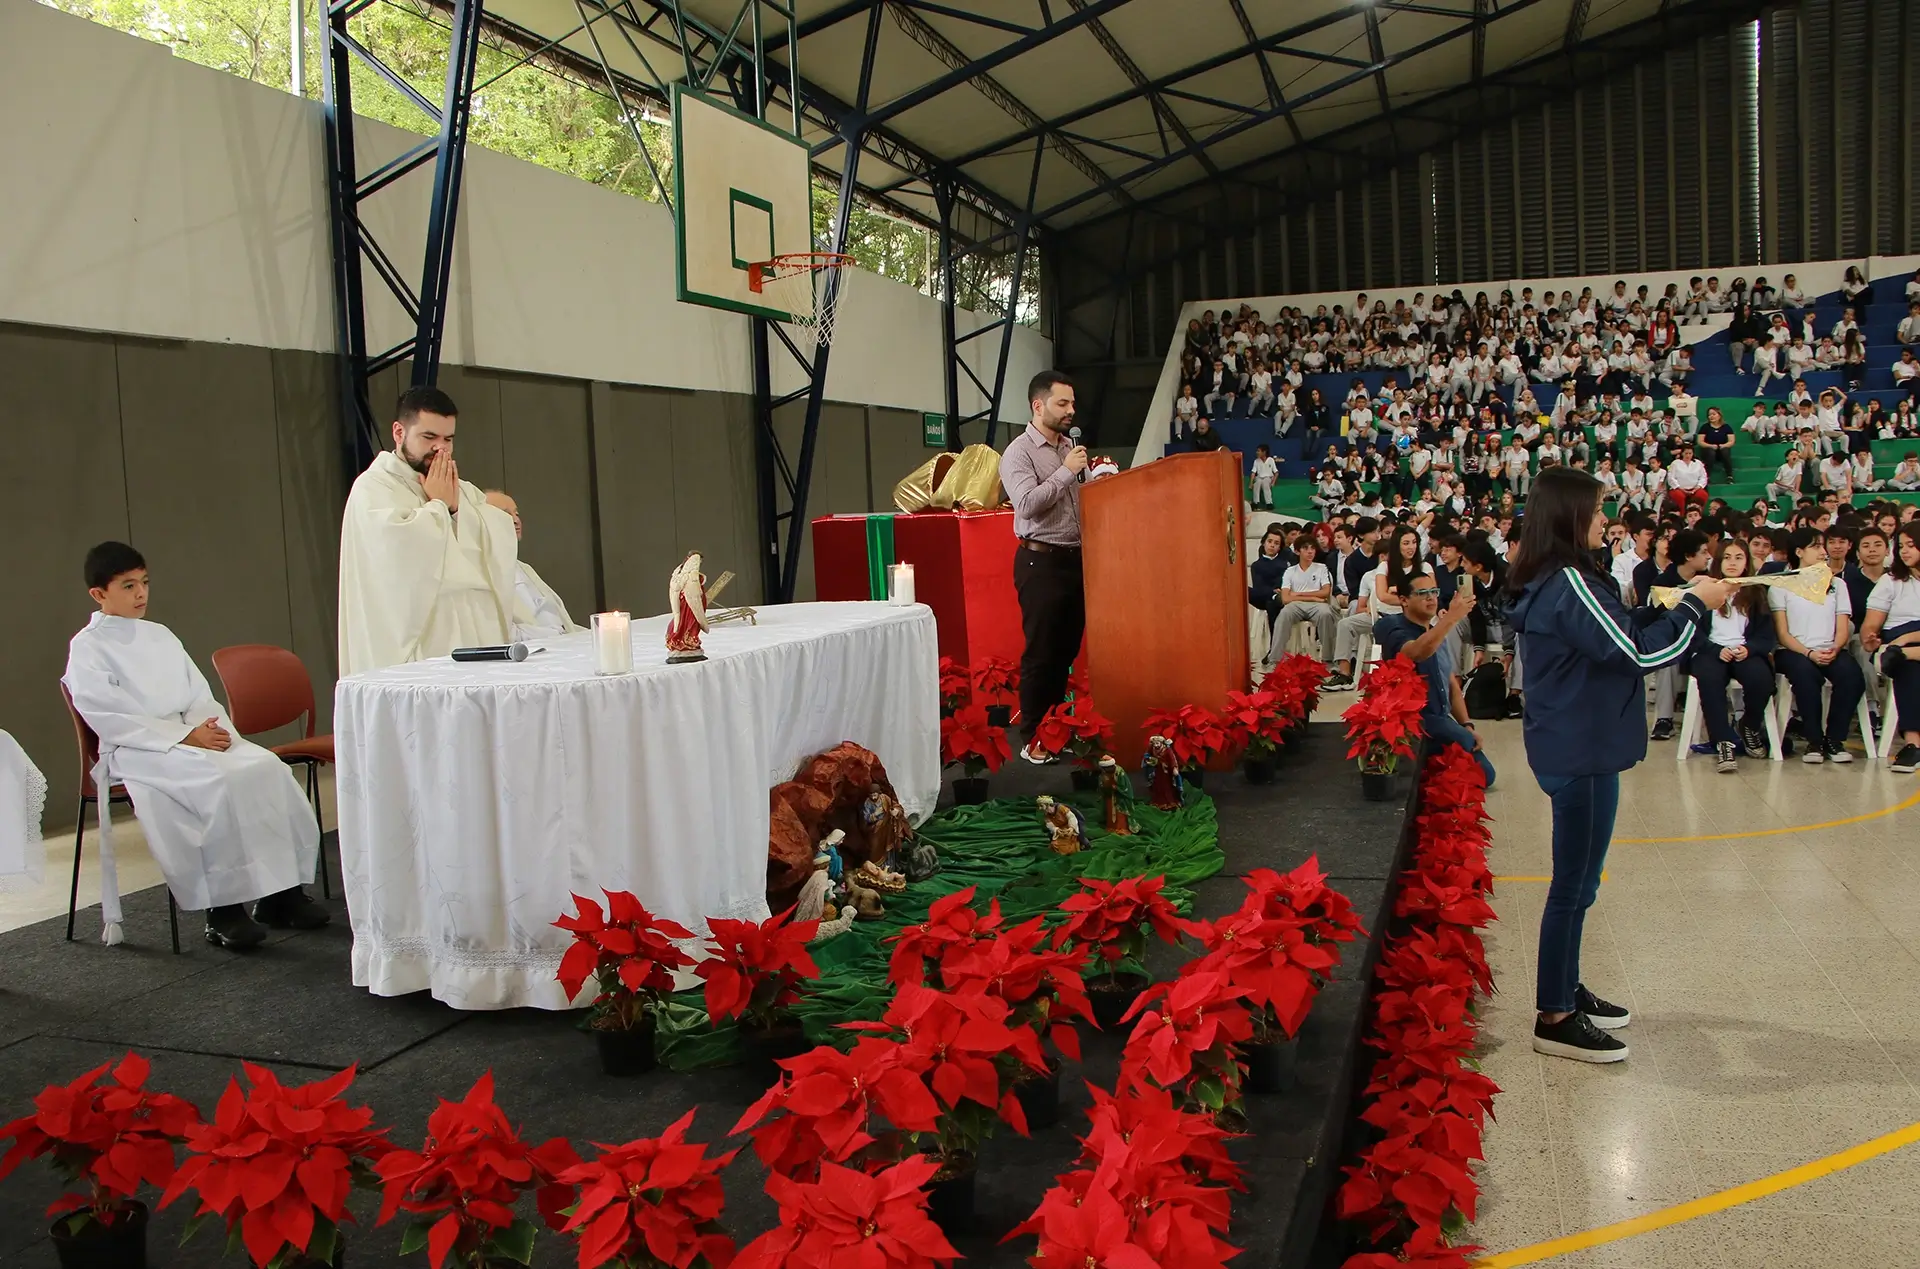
x,y
799,284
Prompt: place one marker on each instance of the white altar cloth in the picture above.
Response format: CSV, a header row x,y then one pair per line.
x,y
474,798
23,798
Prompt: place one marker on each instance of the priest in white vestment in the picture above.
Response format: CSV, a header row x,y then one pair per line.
x,y
224,818
544,611
426,566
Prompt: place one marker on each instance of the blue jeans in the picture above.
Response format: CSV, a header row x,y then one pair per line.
x,y
1583,811
1446,730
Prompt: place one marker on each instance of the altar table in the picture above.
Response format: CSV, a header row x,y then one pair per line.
x,y
474,798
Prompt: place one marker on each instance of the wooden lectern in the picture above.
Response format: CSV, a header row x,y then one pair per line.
x,y
1166,589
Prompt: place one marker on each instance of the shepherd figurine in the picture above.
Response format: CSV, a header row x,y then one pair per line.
x,y
687,602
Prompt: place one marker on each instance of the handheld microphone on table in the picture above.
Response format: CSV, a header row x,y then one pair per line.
x,y
1073,434
495,652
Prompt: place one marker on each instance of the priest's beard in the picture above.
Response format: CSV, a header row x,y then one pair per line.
x,y
421,464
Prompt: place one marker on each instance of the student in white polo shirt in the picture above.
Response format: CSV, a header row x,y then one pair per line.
x,y
1892,629
1813,652
1306,594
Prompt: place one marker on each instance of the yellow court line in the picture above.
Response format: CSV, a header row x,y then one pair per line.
x,y
1705,1206
1902,805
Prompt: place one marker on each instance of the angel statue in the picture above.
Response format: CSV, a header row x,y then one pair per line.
x,y
1065,833
1161,771
1116,794
687,604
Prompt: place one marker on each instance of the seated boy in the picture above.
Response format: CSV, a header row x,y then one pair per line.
x,y
224,818
1415,634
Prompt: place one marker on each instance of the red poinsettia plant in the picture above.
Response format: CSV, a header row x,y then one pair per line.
x,y
627,951
1256,724
953,925
1111,919
821,1109
1295,679
996,681
654,1203
1383,726
848,1217
755,968
1196,732
1074,729
276,1163
970,1053
1303,892
104,1131
1094,1218
462,1184
969,741
1185,1038
956,685
1268,961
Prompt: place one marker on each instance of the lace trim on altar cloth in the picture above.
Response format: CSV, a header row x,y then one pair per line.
x,y
32,847
540,960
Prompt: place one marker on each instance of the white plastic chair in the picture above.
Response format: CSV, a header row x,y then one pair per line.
x,y
1783,710
1692,723
1889,721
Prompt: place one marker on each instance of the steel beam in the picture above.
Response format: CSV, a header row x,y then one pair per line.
x,y
354,246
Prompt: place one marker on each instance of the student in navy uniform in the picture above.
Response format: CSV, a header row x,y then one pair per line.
x,y
1587,659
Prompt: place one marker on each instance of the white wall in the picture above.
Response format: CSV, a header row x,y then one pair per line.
x,y
148,195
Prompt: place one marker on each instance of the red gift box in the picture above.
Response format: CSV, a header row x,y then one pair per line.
x,y
962,569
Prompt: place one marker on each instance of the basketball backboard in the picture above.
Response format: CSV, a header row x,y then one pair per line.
x,y
742,193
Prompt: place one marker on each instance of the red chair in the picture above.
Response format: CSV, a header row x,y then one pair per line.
x,y
267,687
89,744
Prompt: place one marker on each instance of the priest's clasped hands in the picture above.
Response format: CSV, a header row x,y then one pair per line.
x,y
441,483
209,735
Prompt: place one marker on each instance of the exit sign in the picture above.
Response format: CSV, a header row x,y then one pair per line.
x,y
933,430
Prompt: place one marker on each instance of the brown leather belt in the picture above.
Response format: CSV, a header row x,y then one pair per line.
x,y
1044,548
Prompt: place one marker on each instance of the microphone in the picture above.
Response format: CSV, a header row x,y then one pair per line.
x,y
494,652
1073,434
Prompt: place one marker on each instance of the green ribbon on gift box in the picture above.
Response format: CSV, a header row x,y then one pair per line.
x,y
879,553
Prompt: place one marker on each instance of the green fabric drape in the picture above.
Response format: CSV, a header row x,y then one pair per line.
x,y
1000,848
879,554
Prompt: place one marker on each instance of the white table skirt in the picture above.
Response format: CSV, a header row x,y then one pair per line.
x,y
23,798
475,798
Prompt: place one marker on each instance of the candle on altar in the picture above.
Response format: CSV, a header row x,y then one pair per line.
x,y
613,643
903,584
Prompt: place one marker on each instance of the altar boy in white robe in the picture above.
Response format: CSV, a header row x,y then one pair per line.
x,y
224,818
545,613
426,566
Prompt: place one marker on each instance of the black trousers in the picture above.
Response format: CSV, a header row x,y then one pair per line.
x,y
1805,676
1053,616
1711,675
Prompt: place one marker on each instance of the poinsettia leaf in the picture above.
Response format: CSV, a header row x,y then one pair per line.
x,y
415,1237
513,1243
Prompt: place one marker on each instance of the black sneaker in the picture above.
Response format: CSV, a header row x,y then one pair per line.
x,y
1816,753
1605,1014
1727,763
290,910
1755,739
1516,706
1906,761
1837,751
1663,729
1575,1036
230,927
1337,682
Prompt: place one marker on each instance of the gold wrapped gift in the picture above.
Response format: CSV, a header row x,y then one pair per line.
x,y
967,481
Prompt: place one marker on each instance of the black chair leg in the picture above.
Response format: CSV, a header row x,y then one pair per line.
x,y
313,796
73,893
173,918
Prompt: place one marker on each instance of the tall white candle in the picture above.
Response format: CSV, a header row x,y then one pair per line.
x,y
613,642
903,583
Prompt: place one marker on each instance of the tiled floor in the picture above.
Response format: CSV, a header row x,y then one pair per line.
x,y
1774,978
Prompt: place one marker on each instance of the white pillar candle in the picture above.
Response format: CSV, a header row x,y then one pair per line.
x,y
903,583
613,643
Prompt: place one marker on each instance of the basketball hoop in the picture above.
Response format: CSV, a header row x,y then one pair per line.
x,y
801,283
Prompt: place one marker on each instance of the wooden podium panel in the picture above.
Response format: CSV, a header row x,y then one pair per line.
x,y
1166,589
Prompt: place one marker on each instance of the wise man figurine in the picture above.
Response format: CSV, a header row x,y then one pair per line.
x,y
1161,771
1116,793
687,602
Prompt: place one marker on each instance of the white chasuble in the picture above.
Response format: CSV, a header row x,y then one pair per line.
x,y
543,613
417,581
225,826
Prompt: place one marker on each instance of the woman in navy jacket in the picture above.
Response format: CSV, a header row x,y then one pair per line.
x,y
1587,660
1733,645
